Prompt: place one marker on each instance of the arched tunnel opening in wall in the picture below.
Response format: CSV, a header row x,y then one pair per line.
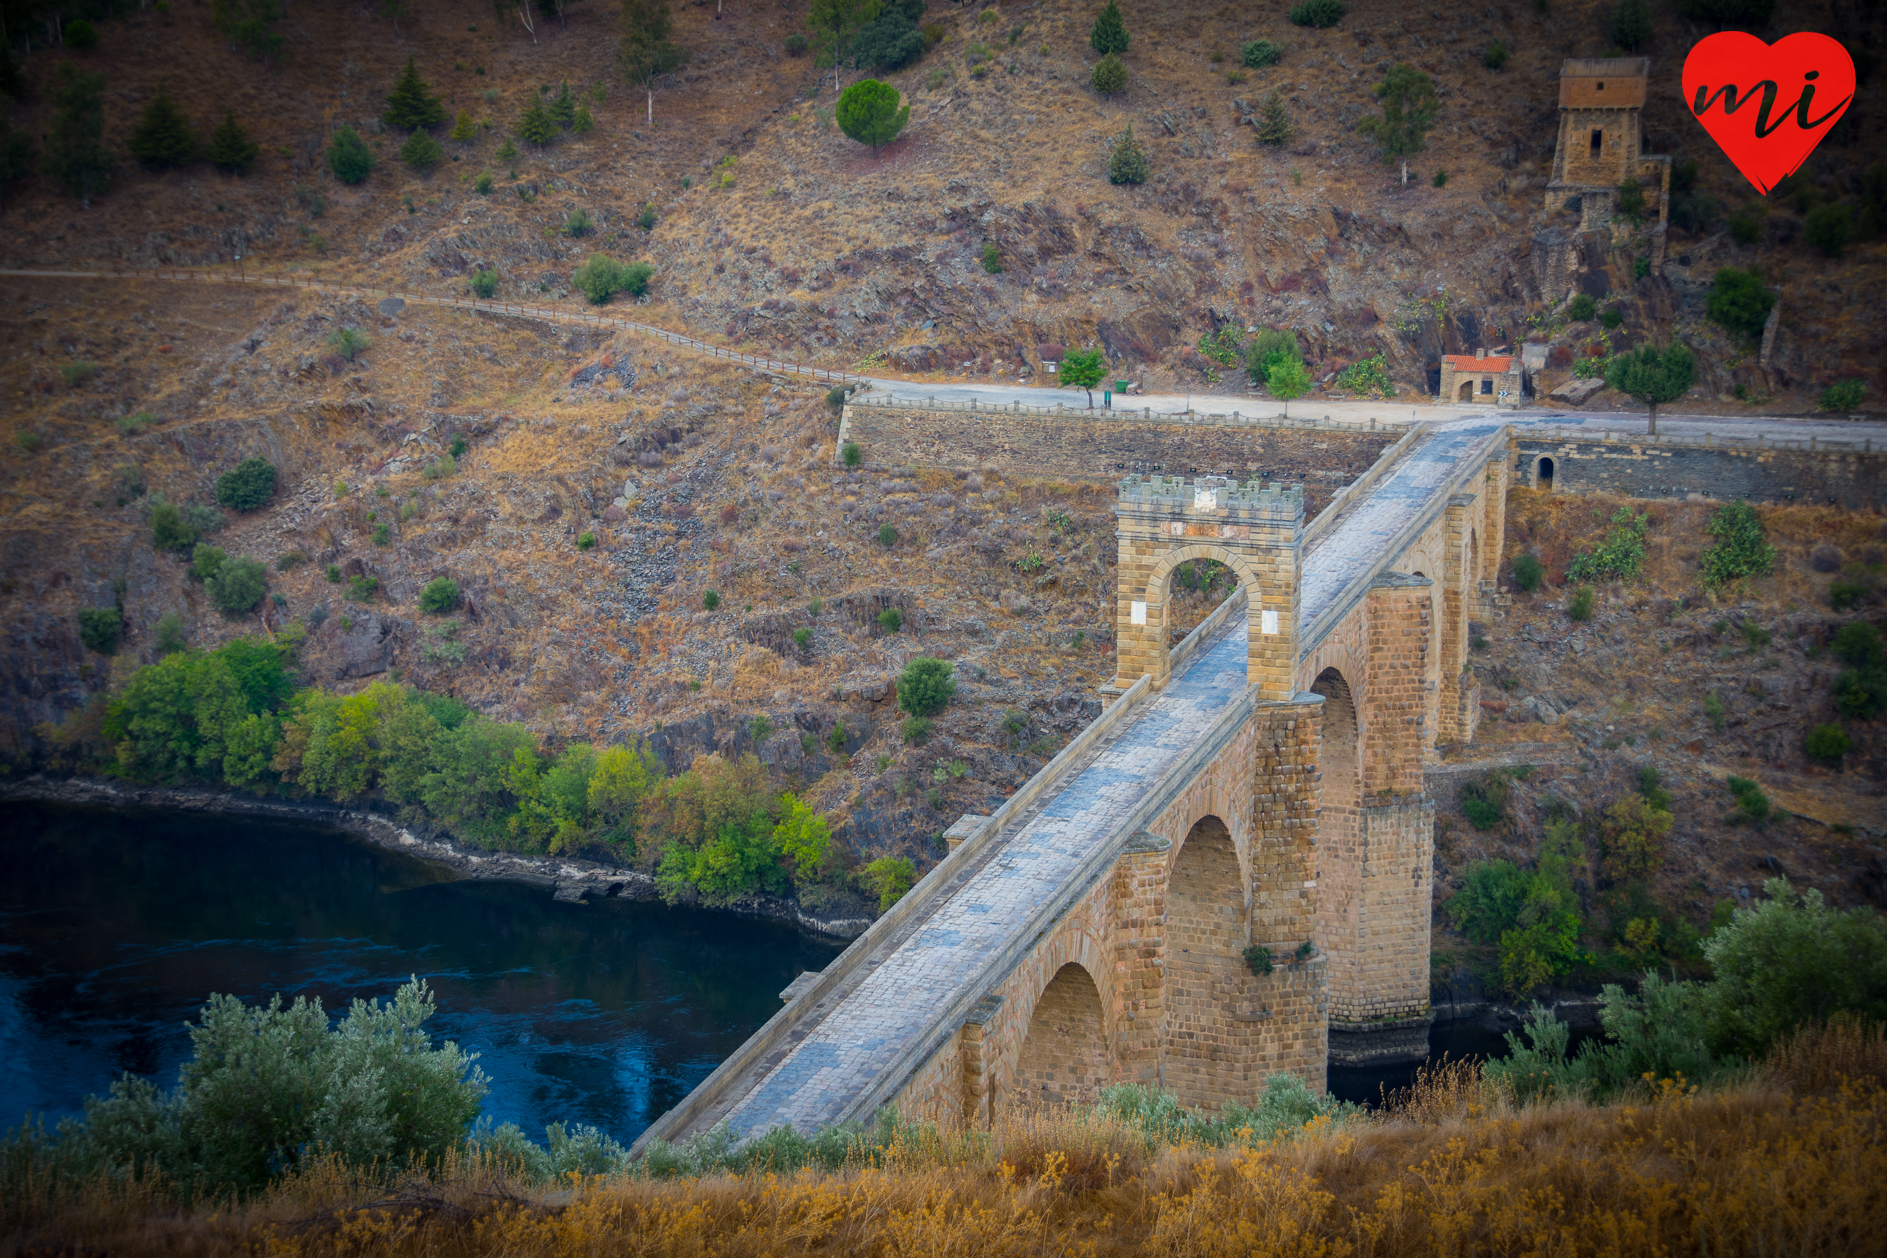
x,y
1064,1055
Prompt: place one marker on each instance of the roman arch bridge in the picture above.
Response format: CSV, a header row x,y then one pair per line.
x,y
1260,783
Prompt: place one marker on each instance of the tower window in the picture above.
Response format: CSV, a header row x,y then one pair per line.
x,y
1601,85
1598,141
1487,386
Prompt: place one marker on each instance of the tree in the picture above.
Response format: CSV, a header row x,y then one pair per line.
x,y
836,20
1632,838
1631,199
1318,13
1110,32
1631,23
250,24
619,781
1274,122
870,113
100,628
563,107
411,103
602,277
1653,375
521,9
238,585
440,595
647,53
926,686
535,124
162,137
1829,228
1259,53
421,151
230,146
1742,551
890,43
462,129
349,157
1269,348
1408,111
1109,76
1789,961
1083,369
1128,162
269,1085
1738,302
75,149
169,530
889,877
394,11
246,486
1287,379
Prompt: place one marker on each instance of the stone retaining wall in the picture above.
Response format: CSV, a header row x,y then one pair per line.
x,y
1645,468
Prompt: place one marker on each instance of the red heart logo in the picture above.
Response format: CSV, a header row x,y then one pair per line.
x,y
1768,105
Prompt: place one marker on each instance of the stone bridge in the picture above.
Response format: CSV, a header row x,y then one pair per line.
x,y
1260,783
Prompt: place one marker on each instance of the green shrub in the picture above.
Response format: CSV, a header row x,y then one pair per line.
x,y
1318,13
1827,743
170,637
334,574
248,485
1620,557
636,277
915,729
1829,228
796,44
1860,689
1741,550
1259,53
1368,375
1108,36
802,638
29,442
1611,319
205,560
169,529
1739,303
484,283
1484,800
1109,75
483,184
891,620
421,151
134,425
1128,162
80,35
1528,572
926,686
78,373
1258,960
362,589
887,536
1494,56
382,535
349,343
1713,711
586,541
851,454
1844,396
1580,608
100,628
835,398
889,877
238,585
440,595
1268,349
1752,804
1581,308
711,599
1441,179
349,157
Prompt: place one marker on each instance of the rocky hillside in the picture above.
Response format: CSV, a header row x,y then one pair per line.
x,y
771,229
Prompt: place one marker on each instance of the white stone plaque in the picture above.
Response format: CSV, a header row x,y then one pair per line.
x,y
1138,613
1205,500
1268,623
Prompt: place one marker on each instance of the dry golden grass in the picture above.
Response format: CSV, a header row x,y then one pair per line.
x,y
1448,1170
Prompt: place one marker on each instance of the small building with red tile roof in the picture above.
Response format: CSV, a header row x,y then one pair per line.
x,y
1481,378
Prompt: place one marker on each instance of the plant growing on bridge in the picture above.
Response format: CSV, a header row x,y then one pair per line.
x,y
1259,960
248,485
1083,369
1653,375
926,686
870,112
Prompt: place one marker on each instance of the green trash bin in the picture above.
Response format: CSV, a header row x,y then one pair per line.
x,y
1120,386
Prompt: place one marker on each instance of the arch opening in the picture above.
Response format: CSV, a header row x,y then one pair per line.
x,y
1206,935
1543,474
1467,391
1339,832
1064,1056
1205,895
1191,583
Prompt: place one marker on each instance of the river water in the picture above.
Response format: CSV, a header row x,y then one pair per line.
x,y
114,927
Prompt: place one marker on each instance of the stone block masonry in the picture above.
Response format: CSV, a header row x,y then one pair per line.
x,y
1064,447
1649,468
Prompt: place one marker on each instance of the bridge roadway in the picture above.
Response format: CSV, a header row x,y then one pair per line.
x,y
848,1052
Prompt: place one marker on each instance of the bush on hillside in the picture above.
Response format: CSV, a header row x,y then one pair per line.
x,y
100,628
1259,53
1128,162
440,595
483,283
349,157
1829,228
238,585
162,137
248,485
926,686
1318,13
1844,396
1739,303
1109,33
1109,75
1827,743
1741,551
1621,556
1528,572
421,151
230,147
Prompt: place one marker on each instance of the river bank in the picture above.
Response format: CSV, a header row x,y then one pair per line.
x,y
570,879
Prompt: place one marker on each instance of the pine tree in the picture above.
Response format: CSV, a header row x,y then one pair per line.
x,y
230,146
421,151
1631,23
75,150
462,129
535,123
162,137
583,123
411,103
1274,123
1110,32
563,109
1109,76
1128,164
